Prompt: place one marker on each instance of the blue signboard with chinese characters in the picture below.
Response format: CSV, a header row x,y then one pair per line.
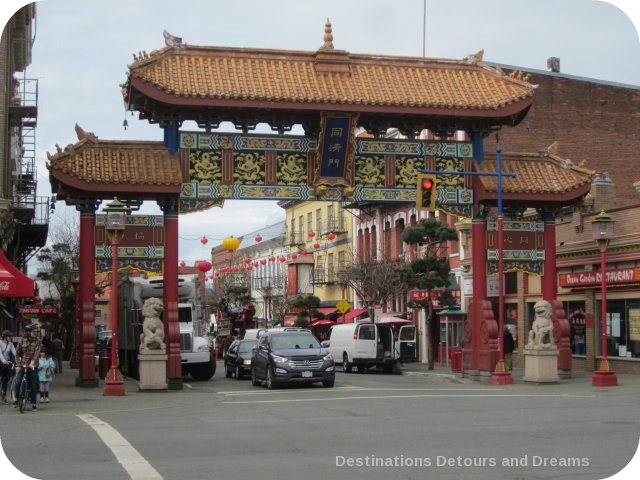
x,y
336,149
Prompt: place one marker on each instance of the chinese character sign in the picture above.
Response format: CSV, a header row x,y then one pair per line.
x,y
336,149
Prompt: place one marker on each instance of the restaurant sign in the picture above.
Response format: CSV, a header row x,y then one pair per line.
x,y
594,279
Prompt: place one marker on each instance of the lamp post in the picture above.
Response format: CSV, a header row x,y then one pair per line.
x,y
602,232
500,376
116,222
74,361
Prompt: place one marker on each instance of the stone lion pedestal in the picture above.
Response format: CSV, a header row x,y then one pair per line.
x,y
153,370
541,365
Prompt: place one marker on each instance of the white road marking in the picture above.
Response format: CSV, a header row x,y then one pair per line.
x,y
135,464
383,397
271,392
355,389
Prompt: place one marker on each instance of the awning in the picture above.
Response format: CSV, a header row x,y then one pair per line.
x,y
327,310
289,321
14,283
322,323
352,314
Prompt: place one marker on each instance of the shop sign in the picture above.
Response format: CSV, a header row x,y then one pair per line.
x,y
593,279
634,324
39,310
417,295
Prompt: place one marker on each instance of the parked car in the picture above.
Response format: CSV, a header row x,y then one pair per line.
x,y
291,357
238,359
363,345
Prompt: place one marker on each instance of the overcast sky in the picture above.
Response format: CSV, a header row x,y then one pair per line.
x,y
82,49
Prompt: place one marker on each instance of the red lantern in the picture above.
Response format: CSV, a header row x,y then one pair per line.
x,y
263,262
235,270
304,252
255,264
204,266
272,258
242,269
311,234
183,263
283,259
294,256
247,261
331,236
217,275
316,246
202,280
249,268
258,238
204,240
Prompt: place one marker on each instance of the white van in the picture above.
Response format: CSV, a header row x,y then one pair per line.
x,y
363,345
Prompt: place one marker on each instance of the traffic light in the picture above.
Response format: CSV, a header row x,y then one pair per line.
x,y
426,198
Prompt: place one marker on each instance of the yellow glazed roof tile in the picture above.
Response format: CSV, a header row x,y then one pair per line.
x,y
103,162
536,174
326,77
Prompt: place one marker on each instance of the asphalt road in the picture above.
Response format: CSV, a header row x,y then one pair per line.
x,y
368,426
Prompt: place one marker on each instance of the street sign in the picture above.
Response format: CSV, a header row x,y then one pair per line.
x,y
343,306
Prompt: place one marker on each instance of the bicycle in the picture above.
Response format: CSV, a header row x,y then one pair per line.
x,y
25,390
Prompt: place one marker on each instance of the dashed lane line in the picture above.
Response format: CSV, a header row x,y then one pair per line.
x,y
385,397
135,464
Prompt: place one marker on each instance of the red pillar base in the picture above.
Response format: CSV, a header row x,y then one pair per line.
x,y
604,378
113,388
501,378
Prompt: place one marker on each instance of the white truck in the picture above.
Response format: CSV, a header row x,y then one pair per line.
x,y
196,346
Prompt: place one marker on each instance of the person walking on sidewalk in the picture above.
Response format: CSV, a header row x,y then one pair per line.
x,y
509,346
46,367
27,355
7,360
57,347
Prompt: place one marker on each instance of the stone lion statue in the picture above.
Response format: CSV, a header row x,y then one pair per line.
x,y
541,333
152,336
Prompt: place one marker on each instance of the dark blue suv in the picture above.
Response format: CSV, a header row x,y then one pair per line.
x,y
283,358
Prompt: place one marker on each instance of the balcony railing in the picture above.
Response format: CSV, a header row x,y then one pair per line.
x,y
295,238
335,225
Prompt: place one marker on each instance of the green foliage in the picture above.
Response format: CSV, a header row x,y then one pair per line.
x,y
430,233
301,322
238,295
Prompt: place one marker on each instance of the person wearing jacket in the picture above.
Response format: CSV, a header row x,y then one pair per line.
x,y
7,359
27,355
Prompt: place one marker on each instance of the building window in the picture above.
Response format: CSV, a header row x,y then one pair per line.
x,y
310,222
623,328
319,220
578,323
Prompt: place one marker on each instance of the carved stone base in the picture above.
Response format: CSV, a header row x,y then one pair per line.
x,y
541,365
153,370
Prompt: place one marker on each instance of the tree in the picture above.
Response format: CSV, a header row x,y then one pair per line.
x,y
57,264
375,282
430,272
307,309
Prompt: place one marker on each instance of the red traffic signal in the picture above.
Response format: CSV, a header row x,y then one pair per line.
x,y
426,194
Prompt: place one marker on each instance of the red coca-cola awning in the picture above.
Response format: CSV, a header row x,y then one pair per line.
x,y
14,283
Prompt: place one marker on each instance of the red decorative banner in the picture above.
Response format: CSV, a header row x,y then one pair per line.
x,y
586,279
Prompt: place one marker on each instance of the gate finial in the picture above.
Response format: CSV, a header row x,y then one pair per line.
x,y
328,36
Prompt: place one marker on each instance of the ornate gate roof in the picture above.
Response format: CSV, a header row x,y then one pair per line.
x,y
211,84
142,169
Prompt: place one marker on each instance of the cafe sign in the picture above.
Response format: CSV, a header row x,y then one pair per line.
x,y
594,279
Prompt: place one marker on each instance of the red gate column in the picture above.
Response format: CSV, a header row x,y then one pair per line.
x,y
550,277
561,327
171,324
87,337
479,277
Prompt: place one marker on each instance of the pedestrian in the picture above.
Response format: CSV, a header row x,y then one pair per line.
x,y
508,345
27,355
58,349
46,367
7,360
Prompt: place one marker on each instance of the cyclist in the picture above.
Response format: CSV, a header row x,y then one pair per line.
x,y
27,355
7,359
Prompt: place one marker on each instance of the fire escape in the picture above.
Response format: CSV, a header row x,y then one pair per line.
x,y
30,212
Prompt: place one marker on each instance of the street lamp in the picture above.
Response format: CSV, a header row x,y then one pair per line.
x,y
602,232
500,376
115,225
